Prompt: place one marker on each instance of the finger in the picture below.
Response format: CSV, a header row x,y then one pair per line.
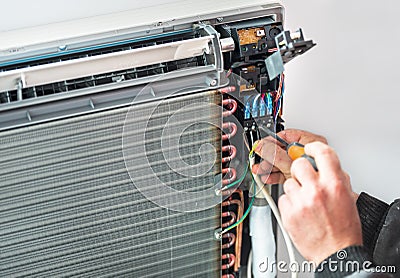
x,y
273,178
326,159
263,168
303,172
283,162
284,204
267,167
291,135
266,150
301,136
291,187
286,209
348,181
274,141
275,155
255,169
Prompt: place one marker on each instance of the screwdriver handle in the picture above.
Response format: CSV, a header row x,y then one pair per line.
x,y
296,150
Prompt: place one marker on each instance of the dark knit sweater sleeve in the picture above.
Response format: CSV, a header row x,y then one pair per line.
x,y
332,266
372,215
351,262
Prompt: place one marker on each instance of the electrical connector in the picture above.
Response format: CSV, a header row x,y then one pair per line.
x,y
269,104
247,113
254,110
263,108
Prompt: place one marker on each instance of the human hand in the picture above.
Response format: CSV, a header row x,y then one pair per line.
x,y
318,209
275,167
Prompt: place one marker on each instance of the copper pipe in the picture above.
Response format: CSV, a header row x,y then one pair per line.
x,y
232,202
232,153
232,175
230,214
231,261
227,90
228,192
232,103
239,230
231,240
232,130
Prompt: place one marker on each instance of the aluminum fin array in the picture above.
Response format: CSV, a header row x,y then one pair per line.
x,y
69,208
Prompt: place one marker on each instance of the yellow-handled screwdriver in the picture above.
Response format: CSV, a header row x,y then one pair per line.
x,y
295,150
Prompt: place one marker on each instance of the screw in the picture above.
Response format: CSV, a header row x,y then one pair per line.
x,y
218,234
213,82
220,19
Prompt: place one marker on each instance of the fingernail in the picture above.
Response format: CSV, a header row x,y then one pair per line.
x,y
258,147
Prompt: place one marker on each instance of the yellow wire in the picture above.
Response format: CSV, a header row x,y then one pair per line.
x,y
251,153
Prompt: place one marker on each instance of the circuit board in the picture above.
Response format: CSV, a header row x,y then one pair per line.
x,y
250,36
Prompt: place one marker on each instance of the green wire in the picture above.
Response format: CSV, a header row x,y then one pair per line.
x,y
239,180
253,197
245,214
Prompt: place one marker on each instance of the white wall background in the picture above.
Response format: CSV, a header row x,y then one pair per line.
x,y
347,88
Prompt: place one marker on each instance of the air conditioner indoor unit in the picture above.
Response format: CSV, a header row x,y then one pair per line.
x,y
122,139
